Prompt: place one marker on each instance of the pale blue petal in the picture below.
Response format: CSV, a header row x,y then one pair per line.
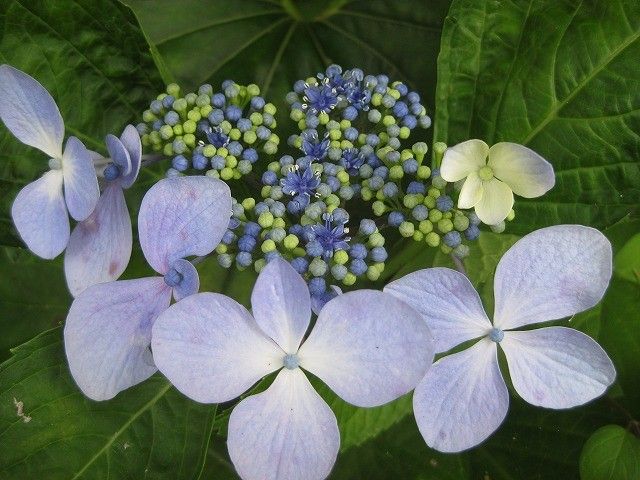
x,y
182,216
287,432
448,303
211,349
100,246
131,141
190,282
29,112
557,367
118,153
369,347
40,215
551,273
281,304
107,334
80,181
462,399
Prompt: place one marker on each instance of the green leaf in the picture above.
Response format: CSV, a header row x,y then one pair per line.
x,y
273,43
93,59
28,307
612,453
560,77
627,261
48,428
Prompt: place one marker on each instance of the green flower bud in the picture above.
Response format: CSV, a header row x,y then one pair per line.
x,y
291,242
270,148
445,225
349,279
268,246
265,219
511,216
406,229
373,273
446,249
376,240
166,132
435,215
396,172
341,257
424,172
461,222
498,228
226,173
425,226
189,126
317,267
379,208
432,239
173,89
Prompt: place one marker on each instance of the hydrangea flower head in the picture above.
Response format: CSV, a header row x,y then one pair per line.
x,y
549,274
100,246
367,346
108,329
41,210
493,175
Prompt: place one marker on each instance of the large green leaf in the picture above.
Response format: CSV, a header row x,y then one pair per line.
x,y
48,429
561,77
273,43
612,453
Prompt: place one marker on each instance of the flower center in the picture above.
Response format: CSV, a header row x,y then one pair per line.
x,y
173,278
55,164
485,173
111,172
496,335
291,361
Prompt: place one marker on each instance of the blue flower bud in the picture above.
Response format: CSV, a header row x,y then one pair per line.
x,y
351,134
252,228
379,254
246,243
390,190
216,117
395,219
367,226
199,161
261,207
410,165
234,148
278,209
314,249
472,232
257,103
263,132
225,260
167,101
420,212
171,118
425,121
400,109
350,113
250,154
111,172
416,109
410,122
444,203
228,237
317,286
452,239
269,178
244,259
312,121
376,182
300,265
372,139
381,171
218,162
413,97
172,172
218,100
358,267
180,163
271,255
299,86
340,215
339,271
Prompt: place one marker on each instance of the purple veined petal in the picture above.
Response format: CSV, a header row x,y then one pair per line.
x,y
557,367
188,280
40,215
211,349
29,112
182,216
287,432
131,141
118,154
368,347
447,301
551,273
281,304
107,334
462,399
100,246
81,190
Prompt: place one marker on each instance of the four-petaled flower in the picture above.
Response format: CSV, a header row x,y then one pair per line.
x,y
300,181
100,246
313,147
331,238
493,175
549,274
352,159
108,329
367,346
41,210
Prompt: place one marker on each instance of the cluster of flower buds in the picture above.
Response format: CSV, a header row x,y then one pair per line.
x,y
220,133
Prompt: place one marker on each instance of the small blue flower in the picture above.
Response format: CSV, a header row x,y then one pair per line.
x,y
313,147
352,160
320,98
331,238
216,137
300,182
